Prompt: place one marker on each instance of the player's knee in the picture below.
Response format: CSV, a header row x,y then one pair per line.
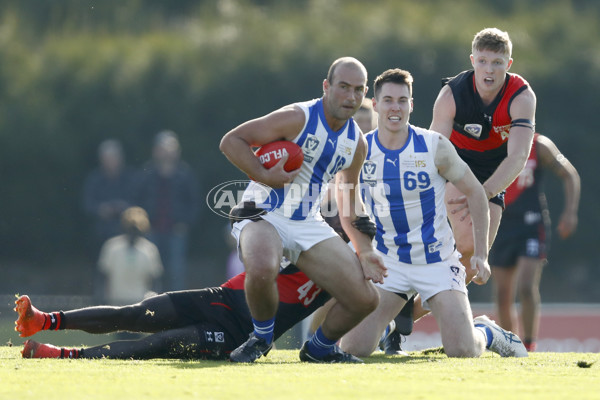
x,y
461,352
261,269
369,301
526,291
461,349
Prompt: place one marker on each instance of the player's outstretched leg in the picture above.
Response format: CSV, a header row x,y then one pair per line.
x,y
33,349
500,341
31,320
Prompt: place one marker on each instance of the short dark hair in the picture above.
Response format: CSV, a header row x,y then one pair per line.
x,y
395,75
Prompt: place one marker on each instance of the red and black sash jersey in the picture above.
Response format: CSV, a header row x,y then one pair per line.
x,y
525,194
480,132
298,298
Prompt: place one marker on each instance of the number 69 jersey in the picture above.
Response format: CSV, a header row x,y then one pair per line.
x,y
404,193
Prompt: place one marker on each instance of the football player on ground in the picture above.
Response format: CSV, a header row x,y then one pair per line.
x,y
192,324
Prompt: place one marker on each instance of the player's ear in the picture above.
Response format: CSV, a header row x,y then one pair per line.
x,y
510,61
325,85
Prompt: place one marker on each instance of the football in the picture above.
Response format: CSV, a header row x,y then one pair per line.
x,y
270,154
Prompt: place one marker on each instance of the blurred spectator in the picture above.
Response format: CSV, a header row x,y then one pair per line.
x,y
168,191
107,192
366,117
130,262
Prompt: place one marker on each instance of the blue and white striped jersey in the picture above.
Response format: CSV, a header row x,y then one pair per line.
x,y
325,153
405,194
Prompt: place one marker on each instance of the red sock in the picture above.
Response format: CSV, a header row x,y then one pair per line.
x,y
530,345
53,321
69,353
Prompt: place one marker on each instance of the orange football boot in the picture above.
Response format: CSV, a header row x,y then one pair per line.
x,y
31,320
33,349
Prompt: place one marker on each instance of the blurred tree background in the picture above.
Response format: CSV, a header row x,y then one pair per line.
x,y
73,73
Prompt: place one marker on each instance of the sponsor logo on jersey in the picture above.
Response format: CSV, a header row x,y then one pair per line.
x,y
436,246
309,148
473,129
502,131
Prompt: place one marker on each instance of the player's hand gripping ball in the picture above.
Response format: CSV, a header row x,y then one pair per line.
x,y
270,154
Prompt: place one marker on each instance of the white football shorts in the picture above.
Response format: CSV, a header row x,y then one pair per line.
x,y
296,236
425,279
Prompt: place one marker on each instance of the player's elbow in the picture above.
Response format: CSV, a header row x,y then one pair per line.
x,y
225,144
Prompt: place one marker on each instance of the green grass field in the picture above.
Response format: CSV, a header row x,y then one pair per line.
x,y
423,375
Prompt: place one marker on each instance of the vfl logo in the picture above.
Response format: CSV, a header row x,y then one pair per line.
x,y
310,148
370,172
473,130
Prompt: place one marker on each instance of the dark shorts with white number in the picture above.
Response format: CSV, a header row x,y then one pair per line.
x,y
220,316
519,237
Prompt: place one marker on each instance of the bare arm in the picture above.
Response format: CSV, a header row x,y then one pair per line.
x,y
551,158
283,124
444,111
350,206
519,143
455,170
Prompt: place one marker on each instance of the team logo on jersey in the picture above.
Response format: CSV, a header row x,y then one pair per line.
x,y
309,148
473,129
369,172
